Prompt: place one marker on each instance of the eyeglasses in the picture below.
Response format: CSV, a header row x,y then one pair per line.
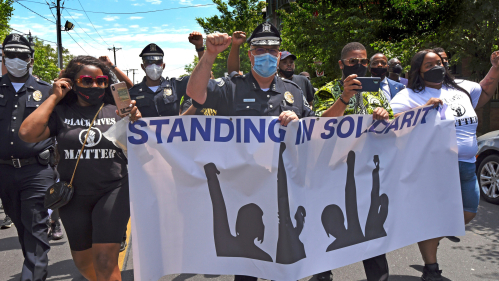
x,y
261,51
156,62
353,61
23,56
86,81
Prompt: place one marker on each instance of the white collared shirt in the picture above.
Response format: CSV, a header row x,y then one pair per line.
x,y
386,89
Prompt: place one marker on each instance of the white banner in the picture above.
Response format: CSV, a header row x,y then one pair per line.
x,y
224,195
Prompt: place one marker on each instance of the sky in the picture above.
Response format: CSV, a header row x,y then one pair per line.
x,y
168,29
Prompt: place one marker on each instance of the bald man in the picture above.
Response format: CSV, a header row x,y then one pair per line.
x,y
378,67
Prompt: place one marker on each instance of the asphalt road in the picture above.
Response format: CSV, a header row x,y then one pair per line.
x,y
476,257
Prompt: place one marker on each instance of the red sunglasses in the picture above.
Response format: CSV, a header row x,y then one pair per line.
x,y
87,81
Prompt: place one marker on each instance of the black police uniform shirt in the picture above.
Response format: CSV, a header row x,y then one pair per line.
x,y
102,165
14,108
242,96
165,101
305,86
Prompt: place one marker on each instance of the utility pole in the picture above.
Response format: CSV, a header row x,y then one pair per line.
x,y
133,72
59,40
126,72
114,49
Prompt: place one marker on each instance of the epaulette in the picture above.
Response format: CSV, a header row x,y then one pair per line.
x,y
40,81
290,82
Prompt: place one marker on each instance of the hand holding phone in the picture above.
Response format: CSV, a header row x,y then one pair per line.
x,y
369,84
121,97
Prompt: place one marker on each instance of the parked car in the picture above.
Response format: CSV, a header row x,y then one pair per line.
x,y
488,166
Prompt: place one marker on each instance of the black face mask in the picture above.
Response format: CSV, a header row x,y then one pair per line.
x,y
435,75
379,71
397,69
358,69
287,73
92,95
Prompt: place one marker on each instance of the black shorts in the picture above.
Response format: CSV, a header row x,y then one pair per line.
x,y
93,219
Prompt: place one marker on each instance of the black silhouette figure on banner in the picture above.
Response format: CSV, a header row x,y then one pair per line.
x,y
249,224
333,219
375,218
289,247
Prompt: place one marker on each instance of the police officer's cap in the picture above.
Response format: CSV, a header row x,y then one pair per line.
x,y
16,43
266,34
152,52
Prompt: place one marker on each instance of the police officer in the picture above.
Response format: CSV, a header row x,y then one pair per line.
x,y
24,167
155,95
258,93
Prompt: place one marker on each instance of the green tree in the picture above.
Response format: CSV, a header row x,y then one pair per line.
x,y
190,67
6,10
235,15
45,66
318,30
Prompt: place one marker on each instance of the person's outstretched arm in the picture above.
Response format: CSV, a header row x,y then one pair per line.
x,y
215,44
196,39
35,127
119,74
489,83
220,221
352,213
282,191
233,63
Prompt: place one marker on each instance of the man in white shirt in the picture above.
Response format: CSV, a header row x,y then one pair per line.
x,y
378,67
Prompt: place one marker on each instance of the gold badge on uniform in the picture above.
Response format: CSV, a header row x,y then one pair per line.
x,y
289,97
37,95
167,92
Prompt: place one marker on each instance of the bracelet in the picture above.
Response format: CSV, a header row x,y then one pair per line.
x,y
112,66
200,49
344,102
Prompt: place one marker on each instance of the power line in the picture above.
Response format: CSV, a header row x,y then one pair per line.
x,y
27,33
131,13
35,12
80,35
77,43
82,29
92,23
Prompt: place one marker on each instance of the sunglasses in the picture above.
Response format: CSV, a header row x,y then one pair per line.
x,y
23,56
86,81
261,51
354,61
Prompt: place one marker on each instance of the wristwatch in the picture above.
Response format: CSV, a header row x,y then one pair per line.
x,y
112,66
200,49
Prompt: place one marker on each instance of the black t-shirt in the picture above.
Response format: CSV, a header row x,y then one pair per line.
x,y
102,166
305,85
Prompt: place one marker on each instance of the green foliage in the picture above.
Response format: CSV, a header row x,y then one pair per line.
x,y
6,10
45,66
235,15
190,67
397,28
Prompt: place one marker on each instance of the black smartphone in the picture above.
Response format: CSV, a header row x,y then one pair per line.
x,y
369,84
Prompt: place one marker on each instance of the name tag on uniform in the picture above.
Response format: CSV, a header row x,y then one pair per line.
x,y
248,100
139,97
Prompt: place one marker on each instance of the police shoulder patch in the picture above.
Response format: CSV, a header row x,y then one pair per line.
x,y
179,78
220,82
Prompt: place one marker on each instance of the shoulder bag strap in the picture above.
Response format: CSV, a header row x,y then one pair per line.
x,y
84,143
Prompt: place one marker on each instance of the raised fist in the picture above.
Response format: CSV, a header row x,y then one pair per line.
x,y
217,43
196,39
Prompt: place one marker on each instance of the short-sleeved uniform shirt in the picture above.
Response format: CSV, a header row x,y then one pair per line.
x,y
242,96
164,101
360,103
102,165
15,106
462,109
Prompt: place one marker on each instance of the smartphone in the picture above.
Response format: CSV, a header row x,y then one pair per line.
x,y
121,97
369,84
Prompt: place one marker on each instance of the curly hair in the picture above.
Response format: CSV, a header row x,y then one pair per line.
x,y
75,66
416,82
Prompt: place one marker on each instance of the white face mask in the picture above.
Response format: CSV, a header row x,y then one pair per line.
x,y
154,71
16,67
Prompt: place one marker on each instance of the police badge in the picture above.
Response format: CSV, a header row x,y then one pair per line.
x,y
289,97
37,95
167,92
